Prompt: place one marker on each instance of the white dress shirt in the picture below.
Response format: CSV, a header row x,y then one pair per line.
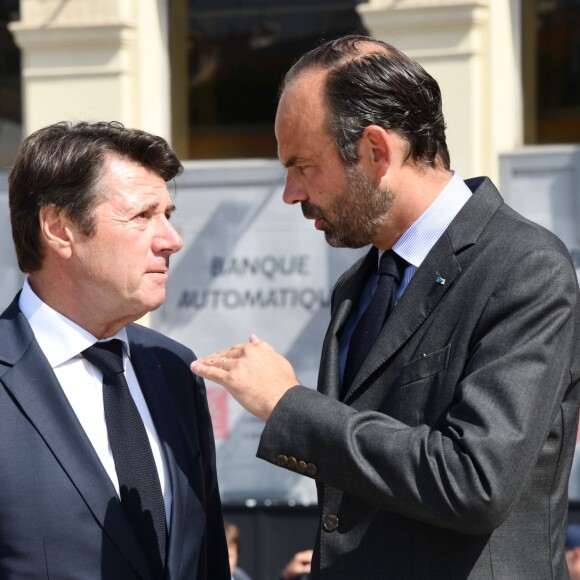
x,y
62,341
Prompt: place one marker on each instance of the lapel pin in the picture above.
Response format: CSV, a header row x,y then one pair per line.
x,y
439,279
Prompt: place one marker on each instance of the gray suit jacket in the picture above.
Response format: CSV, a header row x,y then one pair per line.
x,y
449,456
60,517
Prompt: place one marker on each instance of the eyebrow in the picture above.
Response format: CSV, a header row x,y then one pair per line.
x,y
154,205
293,160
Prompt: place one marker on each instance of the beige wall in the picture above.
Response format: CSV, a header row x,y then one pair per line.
x,y
108,59
95,60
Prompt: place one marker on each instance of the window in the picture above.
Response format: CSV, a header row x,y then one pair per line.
x,y
552,85
10,91
237,53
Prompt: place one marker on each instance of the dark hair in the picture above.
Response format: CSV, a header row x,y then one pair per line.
x,y
370,82
62,164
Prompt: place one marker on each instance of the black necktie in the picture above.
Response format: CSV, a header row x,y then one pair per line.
x,y
371,322
140,490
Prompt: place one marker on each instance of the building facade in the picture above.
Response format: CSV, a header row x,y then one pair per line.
x,y
203,74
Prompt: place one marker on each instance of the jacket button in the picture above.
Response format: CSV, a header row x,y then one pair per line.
x,y
301,467
292,463
311,469
282,460
330,523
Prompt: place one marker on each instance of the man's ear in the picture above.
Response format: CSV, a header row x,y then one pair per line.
x,y
55,231
376,150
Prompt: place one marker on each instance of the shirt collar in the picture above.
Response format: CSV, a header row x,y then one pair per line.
x,y
59,337
417,241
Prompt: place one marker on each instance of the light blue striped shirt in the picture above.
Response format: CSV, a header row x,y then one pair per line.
x,y
417,241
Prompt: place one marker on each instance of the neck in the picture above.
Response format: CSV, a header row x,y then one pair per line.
x,y
63,298
415,190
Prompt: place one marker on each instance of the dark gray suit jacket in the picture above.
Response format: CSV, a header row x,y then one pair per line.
x,y
60,517
449,456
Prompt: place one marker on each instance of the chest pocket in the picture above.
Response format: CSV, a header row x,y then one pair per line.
x,y
417,381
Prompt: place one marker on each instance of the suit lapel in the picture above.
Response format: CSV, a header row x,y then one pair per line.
x,y
345,299
33,384
432,280
329,375
429,284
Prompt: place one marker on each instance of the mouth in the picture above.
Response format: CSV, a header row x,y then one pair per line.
x,y
319,222
312,213
161,273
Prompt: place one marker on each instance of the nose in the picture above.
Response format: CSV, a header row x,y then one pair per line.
x,y
293,191
168,238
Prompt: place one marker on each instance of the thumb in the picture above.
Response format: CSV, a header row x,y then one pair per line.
x,y
254,339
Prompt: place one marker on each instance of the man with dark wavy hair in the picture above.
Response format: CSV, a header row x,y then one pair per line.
x,y
443,430
107,454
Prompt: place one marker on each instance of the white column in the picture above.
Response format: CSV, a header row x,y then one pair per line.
x,y
95,60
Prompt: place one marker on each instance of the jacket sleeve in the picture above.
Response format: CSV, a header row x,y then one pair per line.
x,y
465,470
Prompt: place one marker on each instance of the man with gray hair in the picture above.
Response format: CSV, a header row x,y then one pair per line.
x,y
107,454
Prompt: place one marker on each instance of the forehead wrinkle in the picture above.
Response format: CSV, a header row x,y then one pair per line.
x,y
152,206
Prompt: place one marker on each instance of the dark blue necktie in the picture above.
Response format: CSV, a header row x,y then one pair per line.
x,y
140,489
365,333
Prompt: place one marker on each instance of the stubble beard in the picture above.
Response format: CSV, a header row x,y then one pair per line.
x,y
356,213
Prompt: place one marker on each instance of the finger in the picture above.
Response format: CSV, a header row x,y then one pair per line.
x,y
216,357
209,371
254,339
207,360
